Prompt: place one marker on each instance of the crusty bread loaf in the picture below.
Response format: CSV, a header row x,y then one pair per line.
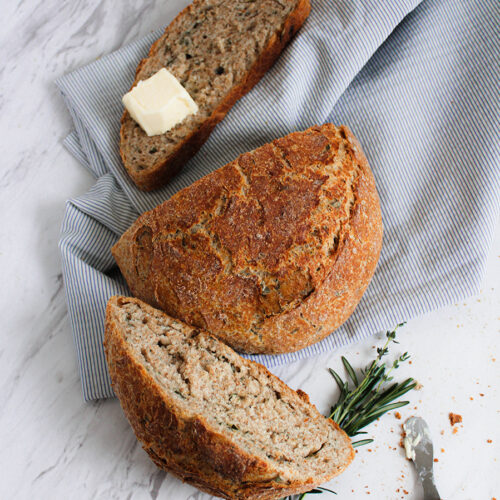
x,y
271,252
218,50
214,419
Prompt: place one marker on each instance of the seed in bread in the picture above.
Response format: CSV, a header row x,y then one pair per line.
x,y
218,51
214,419
270,253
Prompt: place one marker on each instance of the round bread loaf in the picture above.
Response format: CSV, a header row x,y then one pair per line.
x,y
270,253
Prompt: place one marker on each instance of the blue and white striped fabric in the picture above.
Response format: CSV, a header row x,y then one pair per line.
x,y
423,102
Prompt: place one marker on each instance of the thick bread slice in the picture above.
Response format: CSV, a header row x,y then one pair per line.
x,y
270,253
218,421
218,49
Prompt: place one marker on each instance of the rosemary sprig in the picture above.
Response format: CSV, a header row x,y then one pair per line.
x,y
369,399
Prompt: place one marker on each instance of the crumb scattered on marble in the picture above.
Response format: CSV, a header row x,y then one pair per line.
x,y
398,415
455,418
436,460
489,441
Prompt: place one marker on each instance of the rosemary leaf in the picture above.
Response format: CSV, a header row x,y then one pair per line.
x,y
362,442
350,371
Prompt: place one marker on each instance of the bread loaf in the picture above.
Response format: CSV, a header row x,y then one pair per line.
x,y
270,253
218,51
218,421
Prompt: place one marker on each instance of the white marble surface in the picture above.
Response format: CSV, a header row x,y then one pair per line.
x,y
54,446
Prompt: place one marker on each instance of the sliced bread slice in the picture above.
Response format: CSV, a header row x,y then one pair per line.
x,y
218,50
214,419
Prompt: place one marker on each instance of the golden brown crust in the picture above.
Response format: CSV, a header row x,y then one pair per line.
x,y
271,252
334,301
185,446
163,171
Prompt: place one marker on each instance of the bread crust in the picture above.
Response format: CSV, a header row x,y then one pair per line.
x,y
208,286
331,304
185,446
157,176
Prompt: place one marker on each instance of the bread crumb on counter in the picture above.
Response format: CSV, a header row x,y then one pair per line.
x,y
398,415
455,418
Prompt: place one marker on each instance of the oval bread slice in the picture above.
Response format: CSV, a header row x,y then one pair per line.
x,y
270,253
220,422
218,50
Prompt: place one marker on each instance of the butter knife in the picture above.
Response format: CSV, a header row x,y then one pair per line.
x,y
418,447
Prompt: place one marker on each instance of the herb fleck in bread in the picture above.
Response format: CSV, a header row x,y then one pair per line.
x,y
270,253
218,50
214,419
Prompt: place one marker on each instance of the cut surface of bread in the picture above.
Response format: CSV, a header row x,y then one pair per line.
x,y
270,253
218,50
216,420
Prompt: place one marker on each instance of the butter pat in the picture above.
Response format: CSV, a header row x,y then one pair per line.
x,y
159,103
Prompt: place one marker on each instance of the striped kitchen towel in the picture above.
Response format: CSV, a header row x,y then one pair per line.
x,y
418,85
